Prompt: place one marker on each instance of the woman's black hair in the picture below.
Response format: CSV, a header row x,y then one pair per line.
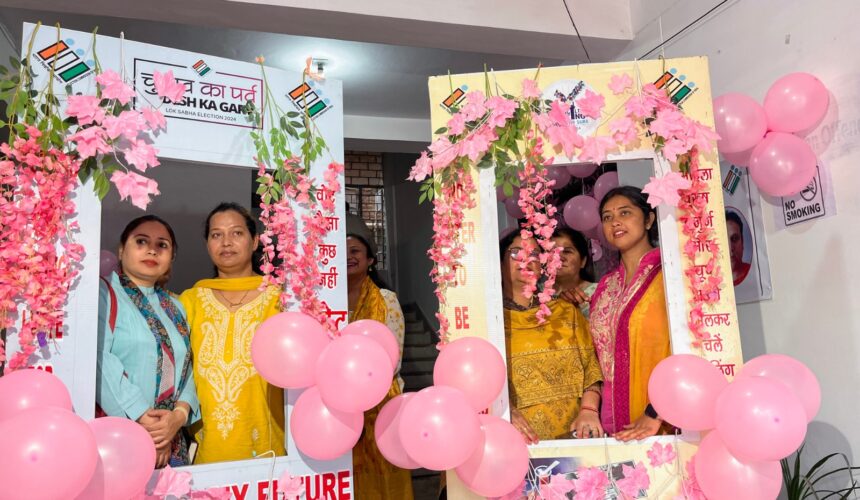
x,y
227,206
733,217
506,242
134,224
634,194
372,272
250,224
581,245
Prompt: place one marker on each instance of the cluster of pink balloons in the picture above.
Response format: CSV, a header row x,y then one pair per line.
x,y
49,452
753,421
581,212
766,138
440,427
344,376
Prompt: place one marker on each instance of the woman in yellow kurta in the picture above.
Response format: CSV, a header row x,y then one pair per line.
x,y
553,373
629,321
374,477
242,416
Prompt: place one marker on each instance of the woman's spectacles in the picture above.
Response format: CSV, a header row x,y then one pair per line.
x,y
519,254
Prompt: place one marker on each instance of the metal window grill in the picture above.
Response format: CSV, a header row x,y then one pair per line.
x,y
368,202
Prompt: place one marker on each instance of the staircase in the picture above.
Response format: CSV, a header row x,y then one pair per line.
x,y
419,356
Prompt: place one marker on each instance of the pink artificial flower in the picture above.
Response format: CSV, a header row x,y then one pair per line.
x,y
619,83
595,148
135,186
638,107
635,479
113,87
85,108
658,98
33,132
443,153
590,483
558,487
475,107
590,104
422,168
142,155
623,131
703,137
668,123
659,454
457,124
171,482
477,144
167,86
665,190
154,118
89,142
566,137
291,486
559,113
673,148
128,124
501,110
530,89
215,493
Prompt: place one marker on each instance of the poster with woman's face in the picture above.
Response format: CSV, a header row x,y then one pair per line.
x,y
747,246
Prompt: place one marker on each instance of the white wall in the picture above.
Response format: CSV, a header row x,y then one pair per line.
x,y
814,314
189,191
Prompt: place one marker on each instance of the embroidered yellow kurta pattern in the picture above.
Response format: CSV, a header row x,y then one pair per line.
x,y
242,416
549,365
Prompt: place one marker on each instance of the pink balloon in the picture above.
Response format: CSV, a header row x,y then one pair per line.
x,y
512,207
795,102
108,263
387,432
723,477
791,372
320,432
559,175
48,453
285,349
740,122
604,184
580,213
126,460
499,466
741,159
353,374
379,333
683,389
439,429
474,366
760,419
25,389
782,164
581,170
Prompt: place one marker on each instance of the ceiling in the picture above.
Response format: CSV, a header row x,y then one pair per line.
x,y
379,79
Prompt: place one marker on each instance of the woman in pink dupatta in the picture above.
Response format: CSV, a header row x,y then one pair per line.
x,y
629,322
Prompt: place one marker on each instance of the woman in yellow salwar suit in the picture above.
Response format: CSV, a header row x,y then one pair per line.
x,y
553,374
629,321
242,416
373,476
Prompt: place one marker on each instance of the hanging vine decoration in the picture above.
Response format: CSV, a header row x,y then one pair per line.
x,y
285,154
509,133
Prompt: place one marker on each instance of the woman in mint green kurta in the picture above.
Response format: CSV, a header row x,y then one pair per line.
x,y
144,360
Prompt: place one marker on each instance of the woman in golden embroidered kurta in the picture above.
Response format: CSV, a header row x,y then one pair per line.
x,y
629,322
242,416
374,477
553,373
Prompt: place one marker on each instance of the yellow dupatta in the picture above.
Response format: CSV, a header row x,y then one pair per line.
x,y
242,416
549,366
374,477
